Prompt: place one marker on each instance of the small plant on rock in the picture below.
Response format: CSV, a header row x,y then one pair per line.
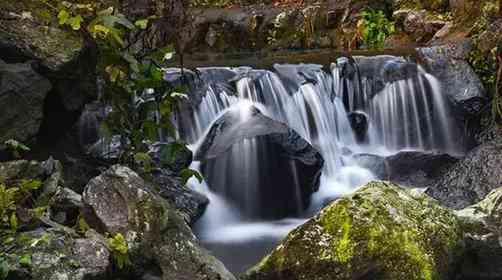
x,y
119,250
373,28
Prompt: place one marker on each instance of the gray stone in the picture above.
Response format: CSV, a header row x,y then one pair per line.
x,y
22,95
472,178
119,201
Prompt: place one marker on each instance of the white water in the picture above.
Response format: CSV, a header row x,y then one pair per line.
x,y
408,114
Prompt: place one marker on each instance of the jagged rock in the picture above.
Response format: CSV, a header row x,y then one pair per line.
x,y
55,255
472,178
65,206
22,95
458,80
289,167
482,224
382,231
191,204
119,201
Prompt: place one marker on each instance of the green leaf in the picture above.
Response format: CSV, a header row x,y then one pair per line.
x,y
25,260
63,17
142,23
150,130
4,268
168,56
13,222
75,22
168,153
187,173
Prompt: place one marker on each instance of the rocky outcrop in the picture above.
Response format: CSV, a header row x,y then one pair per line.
x,y
483,232
458,80
289,167
408,168
472,178
119,201
380,232
64,56
22,95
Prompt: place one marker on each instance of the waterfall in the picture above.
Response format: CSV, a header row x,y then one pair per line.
x,y
399,103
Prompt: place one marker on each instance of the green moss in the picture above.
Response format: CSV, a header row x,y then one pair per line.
x,y
382,228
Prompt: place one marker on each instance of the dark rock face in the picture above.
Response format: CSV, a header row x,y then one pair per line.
x,y
191,204
289,166
22,95
458,80
471,179
119,201
359,123
409,168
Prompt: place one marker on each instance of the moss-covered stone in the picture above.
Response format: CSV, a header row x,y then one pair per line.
x,y
381,232
30,29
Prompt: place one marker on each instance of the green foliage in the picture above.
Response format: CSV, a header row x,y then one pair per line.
x,y
374,27
119,249
4,268
14,197
16,148
25,260
187,173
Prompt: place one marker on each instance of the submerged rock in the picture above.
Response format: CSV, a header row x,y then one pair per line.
x,y
472,178
119,201
22,95
244,143
380,232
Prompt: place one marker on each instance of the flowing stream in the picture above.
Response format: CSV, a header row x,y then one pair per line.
x,y
401,106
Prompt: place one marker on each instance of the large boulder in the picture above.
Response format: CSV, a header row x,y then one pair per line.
x,y
482,224
472,178
119,201
382,231
459,82
244,143
22,95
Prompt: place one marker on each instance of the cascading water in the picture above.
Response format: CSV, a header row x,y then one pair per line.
x,y
403,106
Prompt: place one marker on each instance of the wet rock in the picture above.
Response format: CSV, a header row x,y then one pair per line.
x,y
119,201
359,123
483,234
191,204
458,80
289,166
472,178
382,231
22,95
408,168
417,168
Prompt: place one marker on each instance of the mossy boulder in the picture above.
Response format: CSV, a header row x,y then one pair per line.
x,y
120,201
382,231
26,29
51,254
